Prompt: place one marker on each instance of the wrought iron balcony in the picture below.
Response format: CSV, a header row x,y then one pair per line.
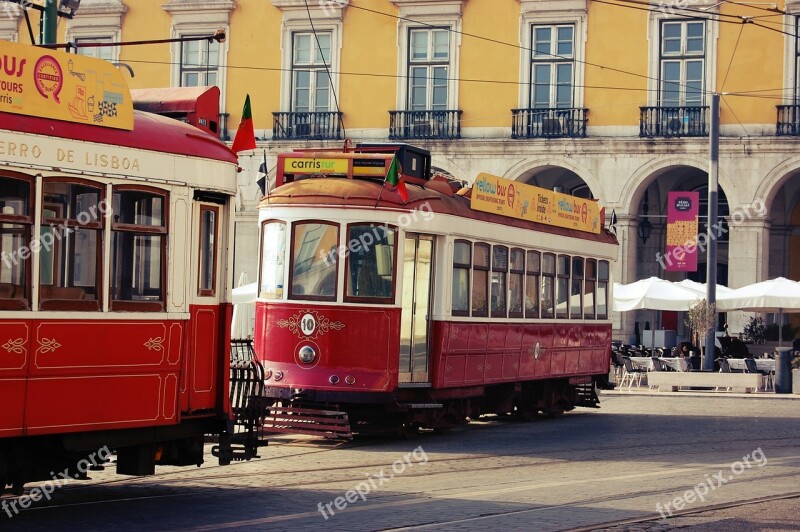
x,y
548,123
686,121
307,126
425,124
788,120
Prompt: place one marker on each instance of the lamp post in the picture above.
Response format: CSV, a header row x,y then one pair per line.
x,y
645,228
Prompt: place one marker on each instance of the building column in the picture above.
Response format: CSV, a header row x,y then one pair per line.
x,y
748,261
625,271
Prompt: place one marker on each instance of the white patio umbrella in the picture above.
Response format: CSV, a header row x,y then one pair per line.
x,y
654,294
775,295
700,288
244,298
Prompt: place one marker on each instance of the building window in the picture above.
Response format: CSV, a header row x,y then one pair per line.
x,y
207,276
70,266
139,250
552,66
16,225
480,280
311,86
199,62
532,276
462,263
314,261
100,52
370,269
273,260
428,69
515,283
682,63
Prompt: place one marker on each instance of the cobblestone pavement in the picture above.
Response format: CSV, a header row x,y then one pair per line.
x,y
628,460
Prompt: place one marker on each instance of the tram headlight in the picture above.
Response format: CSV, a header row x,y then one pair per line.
x,y
307,355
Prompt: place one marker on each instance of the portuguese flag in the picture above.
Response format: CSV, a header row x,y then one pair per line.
x,y
393,178
245,137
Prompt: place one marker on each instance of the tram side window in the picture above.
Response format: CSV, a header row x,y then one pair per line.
x,y
462,263
370,263
499,273
314,261
562,284
207,277
576,289
273,257
602,290
138,249
589,285
480,280
16,225
70,258
548,285
532,277
515,284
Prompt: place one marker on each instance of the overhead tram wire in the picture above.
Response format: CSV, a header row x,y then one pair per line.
x,y
327,71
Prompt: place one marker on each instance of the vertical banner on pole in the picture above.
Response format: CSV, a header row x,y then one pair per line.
x,y
682,229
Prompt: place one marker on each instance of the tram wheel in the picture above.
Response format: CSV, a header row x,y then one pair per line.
x,y
409,431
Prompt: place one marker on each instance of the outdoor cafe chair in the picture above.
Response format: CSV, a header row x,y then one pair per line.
x,y
724,367
658,365
752,367
631,373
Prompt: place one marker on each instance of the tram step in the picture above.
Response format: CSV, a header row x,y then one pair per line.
x,y
413,384
417,406
311,421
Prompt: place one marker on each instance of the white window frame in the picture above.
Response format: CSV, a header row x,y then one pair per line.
x,y
671,11
190,17
202,69
10,15
552,13
327,17
98,19
414,14
313,68
553,61
681,58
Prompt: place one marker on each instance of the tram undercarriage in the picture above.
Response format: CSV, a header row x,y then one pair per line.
x,y
411,408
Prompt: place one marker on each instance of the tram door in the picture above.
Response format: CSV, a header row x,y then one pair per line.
x,y
417,296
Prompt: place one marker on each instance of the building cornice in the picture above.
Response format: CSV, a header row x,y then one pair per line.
x,y
324,9
444,8
542,7
199,6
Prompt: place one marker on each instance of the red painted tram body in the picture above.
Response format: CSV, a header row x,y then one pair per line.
x,y
378,313
114,291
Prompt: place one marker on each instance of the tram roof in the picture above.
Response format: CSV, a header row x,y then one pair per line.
x,y
150,132
343,192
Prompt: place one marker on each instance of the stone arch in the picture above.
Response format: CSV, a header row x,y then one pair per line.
x,y
777,177
526,166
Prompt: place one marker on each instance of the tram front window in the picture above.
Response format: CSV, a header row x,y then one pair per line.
x,y
273,244
15,197
314,261
370,263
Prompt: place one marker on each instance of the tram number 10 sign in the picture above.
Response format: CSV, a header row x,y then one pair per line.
x,y
517,200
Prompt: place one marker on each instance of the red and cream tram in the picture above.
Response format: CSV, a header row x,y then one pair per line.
x,y
114,274
374,312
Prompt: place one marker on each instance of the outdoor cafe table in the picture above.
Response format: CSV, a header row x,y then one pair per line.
x,y
763,364
646,363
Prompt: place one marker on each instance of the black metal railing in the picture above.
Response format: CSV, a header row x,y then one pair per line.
x,y
307,126
686,121
425,124
548,123
788,120
223,126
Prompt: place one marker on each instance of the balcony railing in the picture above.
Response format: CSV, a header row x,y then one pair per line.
x,y
425,124
307,126
548,123
788,120
687,121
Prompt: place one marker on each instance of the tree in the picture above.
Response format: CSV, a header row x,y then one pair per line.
x,y
701,319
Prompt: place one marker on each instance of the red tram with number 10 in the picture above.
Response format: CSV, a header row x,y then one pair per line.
x,y
375,313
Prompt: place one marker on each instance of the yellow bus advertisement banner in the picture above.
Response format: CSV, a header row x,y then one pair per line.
x,y
311,165
70,87
517,200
